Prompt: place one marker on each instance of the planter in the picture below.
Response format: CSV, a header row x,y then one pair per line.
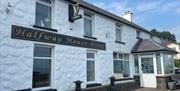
x,y
171,85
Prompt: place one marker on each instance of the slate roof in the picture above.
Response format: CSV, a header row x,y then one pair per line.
x,y
147,45
110,15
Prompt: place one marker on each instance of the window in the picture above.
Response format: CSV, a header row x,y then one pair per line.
x,y
118,33
43,13
158,63
88,25
42,66
121,64
138,33
136,63
90,66
168,64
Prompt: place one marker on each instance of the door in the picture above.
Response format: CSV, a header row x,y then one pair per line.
x,y
147,74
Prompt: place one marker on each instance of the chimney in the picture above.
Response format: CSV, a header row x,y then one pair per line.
x,y
128,15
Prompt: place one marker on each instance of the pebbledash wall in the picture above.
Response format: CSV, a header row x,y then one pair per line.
x,y
69,63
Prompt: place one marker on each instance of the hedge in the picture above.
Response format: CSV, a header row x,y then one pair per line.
x,y
177,62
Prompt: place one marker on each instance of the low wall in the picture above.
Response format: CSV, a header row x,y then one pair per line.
x,y
125,86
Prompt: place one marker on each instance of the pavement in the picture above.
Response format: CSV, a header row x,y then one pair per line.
x,y
152,89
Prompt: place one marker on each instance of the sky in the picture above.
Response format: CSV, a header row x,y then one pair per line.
x,y
163,15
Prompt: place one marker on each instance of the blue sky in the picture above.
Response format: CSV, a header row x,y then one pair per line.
x,y
164,15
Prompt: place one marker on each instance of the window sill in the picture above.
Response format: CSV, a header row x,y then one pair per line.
x,y
90,37
50,29
120,42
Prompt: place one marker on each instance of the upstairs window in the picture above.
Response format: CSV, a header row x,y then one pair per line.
x,y
118,33
88,25
43,16
138,34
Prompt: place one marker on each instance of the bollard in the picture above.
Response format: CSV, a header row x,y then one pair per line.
x,y
112,82
78,85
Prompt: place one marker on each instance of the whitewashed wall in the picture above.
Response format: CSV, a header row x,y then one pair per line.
x,y
16,56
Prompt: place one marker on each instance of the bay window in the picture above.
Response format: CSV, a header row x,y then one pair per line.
x,y
168,64
43,17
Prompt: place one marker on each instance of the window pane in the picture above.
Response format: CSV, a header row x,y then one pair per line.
x,y
90,71
114,55
46,1
43,15
126,57
168,64
158,63
40,51
136,62
118,34
41,72
118,66
87,27
120,56
126,69
90,55
147,65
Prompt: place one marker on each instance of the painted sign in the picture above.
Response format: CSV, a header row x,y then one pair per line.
x,y
24,33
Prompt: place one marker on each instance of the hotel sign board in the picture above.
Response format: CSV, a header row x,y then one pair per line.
x,y
30,34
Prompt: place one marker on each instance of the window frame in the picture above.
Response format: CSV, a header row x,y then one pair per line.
x,y
119,27
51,69
91,18
93,60
123,60
52,13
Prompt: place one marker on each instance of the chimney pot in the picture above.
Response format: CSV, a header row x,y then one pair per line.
x,y
128,15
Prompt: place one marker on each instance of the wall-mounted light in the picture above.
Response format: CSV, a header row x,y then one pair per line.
x,y
74,12
108,34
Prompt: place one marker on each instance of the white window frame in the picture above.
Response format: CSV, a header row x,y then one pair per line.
x,y
52,67
123,59
92,21
52,10
94,60
119,27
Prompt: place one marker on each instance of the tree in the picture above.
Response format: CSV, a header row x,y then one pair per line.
x,y
165,36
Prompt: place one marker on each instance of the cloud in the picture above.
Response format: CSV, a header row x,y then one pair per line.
x,y
158,6
115,7
176,31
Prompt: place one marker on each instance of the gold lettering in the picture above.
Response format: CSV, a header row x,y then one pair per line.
x,y
23,32
40,36
18,31
54,39
29,34
35,35
59,39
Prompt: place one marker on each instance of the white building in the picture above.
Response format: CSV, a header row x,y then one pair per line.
x,y
41,48
175,47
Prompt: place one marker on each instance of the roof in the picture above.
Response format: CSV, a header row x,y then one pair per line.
x,y
109,15
148,45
